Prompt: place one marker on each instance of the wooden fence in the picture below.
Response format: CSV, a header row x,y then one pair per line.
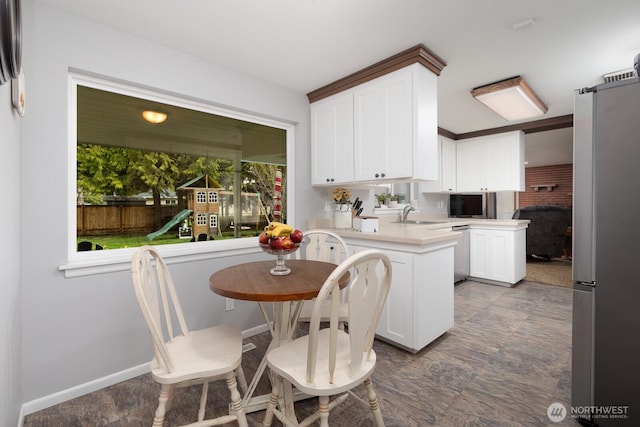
x,y
102,220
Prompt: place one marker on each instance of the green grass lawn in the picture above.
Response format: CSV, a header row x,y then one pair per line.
x,y
133,241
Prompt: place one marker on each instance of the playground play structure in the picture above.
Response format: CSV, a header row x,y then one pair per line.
x,y
207,204
177,219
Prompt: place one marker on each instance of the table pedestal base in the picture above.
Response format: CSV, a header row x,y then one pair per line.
x,y
285,323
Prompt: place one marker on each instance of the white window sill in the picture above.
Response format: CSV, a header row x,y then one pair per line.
x,y
112,260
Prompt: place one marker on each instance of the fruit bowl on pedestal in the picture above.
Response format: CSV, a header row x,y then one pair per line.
x,y
280,239
280,269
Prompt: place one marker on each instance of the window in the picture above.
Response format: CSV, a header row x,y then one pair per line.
x,y
201,219
137,182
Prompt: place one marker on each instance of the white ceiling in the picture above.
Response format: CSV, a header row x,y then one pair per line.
x,y
305,44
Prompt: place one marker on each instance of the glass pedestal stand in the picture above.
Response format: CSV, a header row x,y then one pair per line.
x,y
280,269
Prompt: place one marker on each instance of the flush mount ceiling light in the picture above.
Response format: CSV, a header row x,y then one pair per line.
x,y
154,117
512,98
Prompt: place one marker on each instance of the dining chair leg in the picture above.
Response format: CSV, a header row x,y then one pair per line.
x,y
242,379
236,400
203,400
170,401
273,401
324,411
373,403
165,394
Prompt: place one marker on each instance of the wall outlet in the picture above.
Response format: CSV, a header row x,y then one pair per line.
x,y
229,304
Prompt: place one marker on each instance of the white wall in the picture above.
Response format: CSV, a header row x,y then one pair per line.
x,y
76,330
505,204
10,355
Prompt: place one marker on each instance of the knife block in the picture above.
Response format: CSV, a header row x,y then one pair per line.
x,y
365,224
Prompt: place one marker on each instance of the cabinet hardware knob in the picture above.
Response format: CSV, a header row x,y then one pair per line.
x,y
377,176
383,174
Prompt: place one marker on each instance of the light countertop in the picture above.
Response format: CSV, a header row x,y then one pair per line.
x,y
421,234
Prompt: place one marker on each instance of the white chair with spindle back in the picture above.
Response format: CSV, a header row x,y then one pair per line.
x,y
183,357
331,362
327,246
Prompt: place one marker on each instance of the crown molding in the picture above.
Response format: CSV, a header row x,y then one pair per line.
x,y
417,54
534,126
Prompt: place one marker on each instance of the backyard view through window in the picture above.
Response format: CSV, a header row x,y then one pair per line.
x,y
193,177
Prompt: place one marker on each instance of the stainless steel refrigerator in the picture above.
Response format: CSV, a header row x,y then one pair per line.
x,y
605,388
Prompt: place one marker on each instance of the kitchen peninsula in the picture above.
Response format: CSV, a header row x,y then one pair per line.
x,y
420,304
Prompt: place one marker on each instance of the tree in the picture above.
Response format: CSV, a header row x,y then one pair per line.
x,y
123,171
101,170
155,171
261,178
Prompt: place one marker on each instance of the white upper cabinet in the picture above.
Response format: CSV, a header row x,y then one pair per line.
x,y
382,130
379,124
446,182
332,140
491,163
448,165
396,128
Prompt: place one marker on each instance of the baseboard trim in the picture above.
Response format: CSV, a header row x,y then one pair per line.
x,y
21,416
100,383
82,389
247,333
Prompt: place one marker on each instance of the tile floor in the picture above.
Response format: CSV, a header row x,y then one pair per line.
x,y
503,363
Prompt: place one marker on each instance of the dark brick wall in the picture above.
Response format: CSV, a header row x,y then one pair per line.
x,y
561,195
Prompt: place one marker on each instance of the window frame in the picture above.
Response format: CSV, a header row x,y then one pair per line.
x,y
201,200
100,262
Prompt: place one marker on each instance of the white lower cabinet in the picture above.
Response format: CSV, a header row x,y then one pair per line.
x,y
419,307
497,255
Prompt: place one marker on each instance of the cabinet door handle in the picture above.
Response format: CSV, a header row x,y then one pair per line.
x,y
382,175
377,176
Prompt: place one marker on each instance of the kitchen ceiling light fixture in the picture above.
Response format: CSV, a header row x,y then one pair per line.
x,y
154,117
511,98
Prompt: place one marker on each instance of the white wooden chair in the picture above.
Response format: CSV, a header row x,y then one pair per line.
x,y
327,246
331,362
184,357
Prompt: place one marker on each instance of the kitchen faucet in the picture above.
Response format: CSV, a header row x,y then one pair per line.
x,y
406,210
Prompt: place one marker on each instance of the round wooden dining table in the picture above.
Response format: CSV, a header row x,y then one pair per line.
x,y
254,282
